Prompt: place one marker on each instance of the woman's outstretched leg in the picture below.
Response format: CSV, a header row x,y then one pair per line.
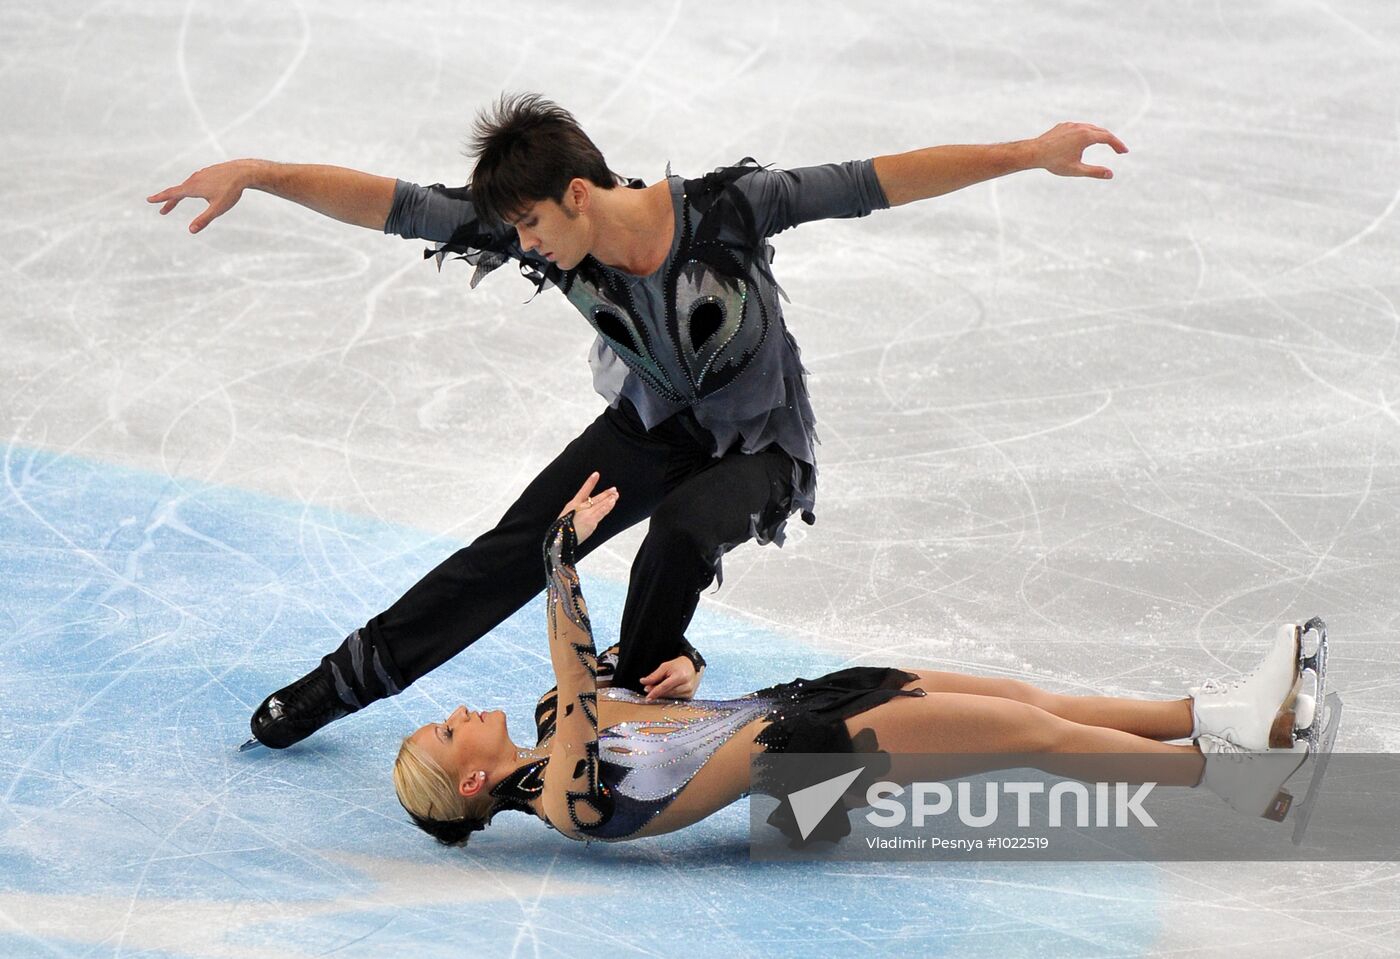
x,y
1164,719
953,723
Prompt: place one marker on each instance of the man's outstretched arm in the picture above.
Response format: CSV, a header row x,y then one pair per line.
x,y
360,199
920,174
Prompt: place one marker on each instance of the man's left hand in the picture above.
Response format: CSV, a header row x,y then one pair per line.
x,y
1061,149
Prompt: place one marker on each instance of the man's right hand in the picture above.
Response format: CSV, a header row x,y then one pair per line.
x,y
360,199
221,185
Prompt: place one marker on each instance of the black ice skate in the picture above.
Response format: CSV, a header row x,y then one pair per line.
x,y
294,712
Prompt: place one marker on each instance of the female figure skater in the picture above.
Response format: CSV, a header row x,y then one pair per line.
x,y
610,765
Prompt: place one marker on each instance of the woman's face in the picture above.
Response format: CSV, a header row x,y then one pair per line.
x,y
465,741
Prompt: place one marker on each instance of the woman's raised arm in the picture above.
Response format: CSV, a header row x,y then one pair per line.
x,y
575,798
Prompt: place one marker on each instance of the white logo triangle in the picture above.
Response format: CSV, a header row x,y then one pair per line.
x,y
811,804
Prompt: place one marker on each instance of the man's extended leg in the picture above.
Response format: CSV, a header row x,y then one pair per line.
x,y
700,519
474,589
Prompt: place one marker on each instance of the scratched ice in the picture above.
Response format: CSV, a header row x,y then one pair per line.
x,y
1092,435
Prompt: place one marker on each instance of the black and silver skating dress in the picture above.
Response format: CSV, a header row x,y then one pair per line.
x,y
631,771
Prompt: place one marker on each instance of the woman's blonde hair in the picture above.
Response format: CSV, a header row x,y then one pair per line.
x,y
428,794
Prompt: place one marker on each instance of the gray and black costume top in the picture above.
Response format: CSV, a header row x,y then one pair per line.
x,y
628,773
705,332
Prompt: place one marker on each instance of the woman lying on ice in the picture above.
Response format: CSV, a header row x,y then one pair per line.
x,y
610,765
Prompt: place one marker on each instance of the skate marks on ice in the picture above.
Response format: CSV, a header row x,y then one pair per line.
x,y
1095,436
152,614
375,889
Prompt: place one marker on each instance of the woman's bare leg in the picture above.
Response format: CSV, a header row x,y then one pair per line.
x,y
983,724
1165,719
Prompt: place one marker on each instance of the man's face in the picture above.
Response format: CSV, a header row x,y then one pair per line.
x,y
554,231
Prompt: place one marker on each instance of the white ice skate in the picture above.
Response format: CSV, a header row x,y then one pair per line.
x,y
1257,781
1258,711
1251,781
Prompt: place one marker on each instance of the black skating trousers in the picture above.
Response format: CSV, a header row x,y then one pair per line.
x,y
700,506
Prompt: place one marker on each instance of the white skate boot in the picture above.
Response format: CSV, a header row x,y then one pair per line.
x,y
1249,781
1259,710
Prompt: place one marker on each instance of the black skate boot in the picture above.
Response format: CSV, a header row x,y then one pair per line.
x,y
294,712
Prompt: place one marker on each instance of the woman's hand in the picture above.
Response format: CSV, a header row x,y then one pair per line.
x,y
588,508
674,679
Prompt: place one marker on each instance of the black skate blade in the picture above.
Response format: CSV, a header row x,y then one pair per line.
x,y
251,744
1323,751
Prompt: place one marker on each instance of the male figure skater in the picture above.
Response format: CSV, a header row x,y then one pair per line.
x,y
708,430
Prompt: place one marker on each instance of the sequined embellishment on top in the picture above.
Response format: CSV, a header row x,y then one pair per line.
x,y
713,321
646,763
609,307
719,328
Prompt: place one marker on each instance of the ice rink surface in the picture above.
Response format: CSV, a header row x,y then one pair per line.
x,y
1095,435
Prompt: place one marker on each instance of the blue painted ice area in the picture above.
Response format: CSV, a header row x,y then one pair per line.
x,y
147,615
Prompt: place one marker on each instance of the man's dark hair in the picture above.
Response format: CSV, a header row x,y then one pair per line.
x,y
528,149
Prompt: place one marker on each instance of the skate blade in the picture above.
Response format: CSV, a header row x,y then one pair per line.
x,y
1321,750
251,744
1317,662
